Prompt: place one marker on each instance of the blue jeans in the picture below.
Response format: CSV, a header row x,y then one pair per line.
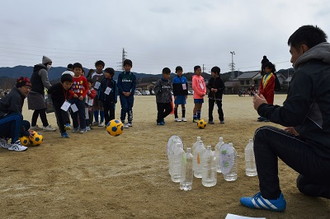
x,y
78,118
13,126
126,107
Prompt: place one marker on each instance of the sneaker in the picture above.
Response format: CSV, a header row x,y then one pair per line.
x,y
161,123
211,122
48,128
100,124
130,124
75,130
17,147
4,143
126,126
35,128
95,123
177,120
184,120
88,128
259,202
195,120
82,131
67,126
222,122
65,135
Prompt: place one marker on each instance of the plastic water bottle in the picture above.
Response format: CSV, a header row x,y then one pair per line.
x,y
186,179
176,162
197,164
228,161
250,163
169,150
198,139
209,172
217,154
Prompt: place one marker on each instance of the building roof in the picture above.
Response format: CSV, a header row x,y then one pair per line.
x,y
248,75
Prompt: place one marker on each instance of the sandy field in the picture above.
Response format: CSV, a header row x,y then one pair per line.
x,y
95,175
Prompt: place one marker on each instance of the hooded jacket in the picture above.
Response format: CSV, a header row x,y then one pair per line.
x,y
307,106
12,102
199,87
39,79
218,84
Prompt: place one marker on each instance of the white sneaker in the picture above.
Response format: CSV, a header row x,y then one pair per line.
x,y
130,124
177,120
4,143
88,128
35,128
126,126
82,131
17,147
48,128
184,120
100,124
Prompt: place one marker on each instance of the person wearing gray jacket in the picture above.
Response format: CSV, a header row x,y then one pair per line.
x,y
36,98
163,91
304,144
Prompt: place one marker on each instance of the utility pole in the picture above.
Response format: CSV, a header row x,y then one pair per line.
x,y
124,53
203,69
232,65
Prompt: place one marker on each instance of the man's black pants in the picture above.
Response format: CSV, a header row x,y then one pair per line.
x,y
271,143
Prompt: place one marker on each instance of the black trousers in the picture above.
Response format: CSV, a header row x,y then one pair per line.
x,y
220,111
109,112
43,117
61,117
163,110
271,143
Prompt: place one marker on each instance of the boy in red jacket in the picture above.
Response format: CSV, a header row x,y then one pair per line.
x,y
78,92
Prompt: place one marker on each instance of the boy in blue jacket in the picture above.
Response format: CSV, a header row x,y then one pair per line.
x,y
180,92
126,88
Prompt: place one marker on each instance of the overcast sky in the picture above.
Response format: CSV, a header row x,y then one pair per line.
x,y
155,33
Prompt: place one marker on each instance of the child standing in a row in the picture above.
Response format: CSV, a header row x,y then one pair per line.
x,y
126,90
199,88
78,92
180,92
108,94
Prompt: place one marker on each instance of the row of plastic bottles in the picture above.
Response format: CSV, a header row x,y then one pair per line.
x,y
204,163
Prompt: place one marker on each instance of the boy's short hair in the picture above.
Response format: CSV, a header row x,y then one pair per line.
x,y
99,62
307,34
178,68
216,70
111,71
271,66
66,77
77,65
166,71
69,67
196,67
128,62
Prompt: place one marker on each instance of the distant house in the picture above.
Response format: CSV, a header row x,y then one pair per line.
x,y
248,79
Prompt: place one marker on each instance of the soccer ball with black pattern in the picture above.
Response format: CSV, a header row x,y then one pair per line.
x,y
115,127
36,138
24,140
201,124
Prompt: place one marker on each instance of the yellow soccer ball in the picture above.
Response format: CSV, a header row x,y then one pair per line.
x,y
201,124
24,140
36,138
115,127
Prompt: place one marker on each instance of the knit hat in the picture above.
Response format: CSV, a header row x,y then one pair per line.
x,y
68,72
23,81
66,77
46,60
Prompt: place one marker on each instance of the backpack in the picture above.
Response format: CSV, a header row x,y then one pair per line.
x,y
277,83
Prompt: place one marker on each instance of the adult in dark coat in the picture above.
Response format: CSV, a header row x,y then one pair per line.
x,y
36,98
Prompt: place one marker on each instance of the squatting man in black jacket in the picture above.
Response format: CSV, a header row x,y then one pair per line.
x,y
305,144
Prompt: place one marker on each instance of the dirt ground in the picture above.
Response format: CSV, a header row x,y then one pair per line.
x,y
95,175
